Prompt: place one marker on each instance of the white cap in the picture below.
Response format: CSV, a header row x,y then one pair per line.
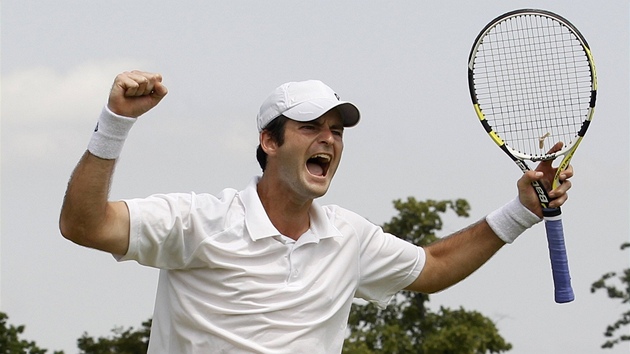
x,y
305,101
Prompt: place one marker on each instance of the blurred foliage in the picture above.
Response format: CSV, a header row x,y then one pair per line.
x,y
123,341
10,342
617,287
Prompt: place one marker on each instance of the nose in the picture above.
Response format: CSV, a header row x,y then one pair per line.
x,y
326,136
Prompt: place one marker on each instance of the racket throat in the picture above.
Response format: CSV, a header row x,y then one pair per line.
x,y
543,197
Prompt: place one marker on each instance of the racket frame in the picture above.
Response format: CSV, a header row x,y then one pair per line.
x,y
551,215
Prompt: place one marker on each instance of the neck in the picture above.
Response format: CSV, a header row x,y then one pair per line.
x,y
288,213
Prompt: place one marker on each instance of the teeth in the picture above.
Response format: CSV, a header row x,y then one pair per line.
x,y
324,157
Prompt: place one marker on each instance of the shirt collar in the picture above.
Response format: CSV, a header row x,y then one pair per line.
x,y
259,226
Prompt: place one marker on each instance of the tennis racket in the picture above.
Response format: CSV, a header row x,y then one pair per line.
x,y
532,82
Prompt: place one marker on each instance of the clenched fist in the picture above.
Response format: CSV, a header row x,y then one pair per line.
x,y
135,93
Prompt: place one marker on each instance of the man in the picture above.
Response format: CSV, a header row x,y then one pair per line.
x,y
267,269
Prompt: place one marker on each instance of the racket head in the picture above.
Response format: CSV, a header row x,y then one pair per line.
x,y
533,83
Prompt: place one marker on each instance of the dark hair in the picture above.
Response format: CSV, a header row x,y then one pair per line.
x,y
276,130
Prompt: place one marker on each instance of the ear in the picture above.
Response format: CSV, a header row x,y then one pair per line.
x,y
267,143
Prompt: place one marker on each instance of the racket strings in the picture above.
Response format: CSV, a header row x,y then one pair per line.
x,y
533,82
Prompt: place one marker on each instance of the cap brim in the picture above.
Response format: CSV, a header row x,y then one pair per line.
x,y
313,109
349,113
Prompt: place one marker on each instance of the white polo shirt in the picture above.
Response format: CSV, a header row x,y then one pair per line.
x,y
230,283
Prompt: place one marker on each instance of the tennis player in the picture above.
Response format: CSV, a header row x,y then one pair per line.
x,y
266,269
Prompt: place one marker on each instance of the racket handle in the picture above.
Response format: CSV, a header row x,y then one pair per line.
x,y
558,256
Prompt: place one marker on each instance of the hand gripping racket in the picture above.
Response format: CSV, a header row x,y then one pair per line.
x,y
532,82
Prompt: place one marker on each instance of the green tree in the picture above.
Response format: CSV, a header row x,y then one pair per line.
x,y
461,331
620,290
407,325
10,342
123,341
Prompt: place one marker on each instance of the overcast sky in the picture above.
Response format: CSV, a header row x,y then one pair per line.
x,y
402,63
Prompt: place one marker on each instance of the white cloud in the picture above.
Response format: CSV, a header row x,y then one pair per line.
x,y
43,108
46,96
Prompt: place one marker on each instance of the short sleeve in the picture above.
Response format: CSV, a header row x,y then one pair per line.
x,y
387,264
166,229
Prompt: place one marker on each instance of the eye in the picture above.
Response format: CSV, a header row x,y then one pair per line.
x,y
308,127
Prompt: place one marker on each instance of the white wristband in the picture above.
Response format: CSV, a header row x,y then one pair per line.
x,y
110,134
511,220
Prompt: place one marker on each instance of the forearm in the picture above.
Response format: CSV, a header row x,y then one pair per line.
x,y
87,217
453,258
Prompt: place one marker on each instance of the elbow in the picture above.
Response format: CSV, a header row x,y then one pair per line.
x,y
75,231
71,232
65,226
105,230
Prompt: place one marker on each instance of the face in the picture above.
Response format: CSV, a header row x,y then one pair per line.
x,y
310,155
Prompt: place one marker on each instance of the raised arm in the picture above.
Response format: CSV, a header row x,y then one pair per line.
x,y
87,217
455,257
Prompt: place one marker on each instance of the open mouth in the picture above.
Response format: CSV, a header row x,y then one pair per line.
x,y
318,165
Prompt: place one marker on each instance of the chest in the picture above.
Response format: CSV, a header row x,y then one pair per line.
x,y
272,273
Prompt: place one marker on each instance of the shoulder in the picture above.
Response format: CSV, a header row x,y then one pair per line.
x,y
335,212
181,202
349,221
